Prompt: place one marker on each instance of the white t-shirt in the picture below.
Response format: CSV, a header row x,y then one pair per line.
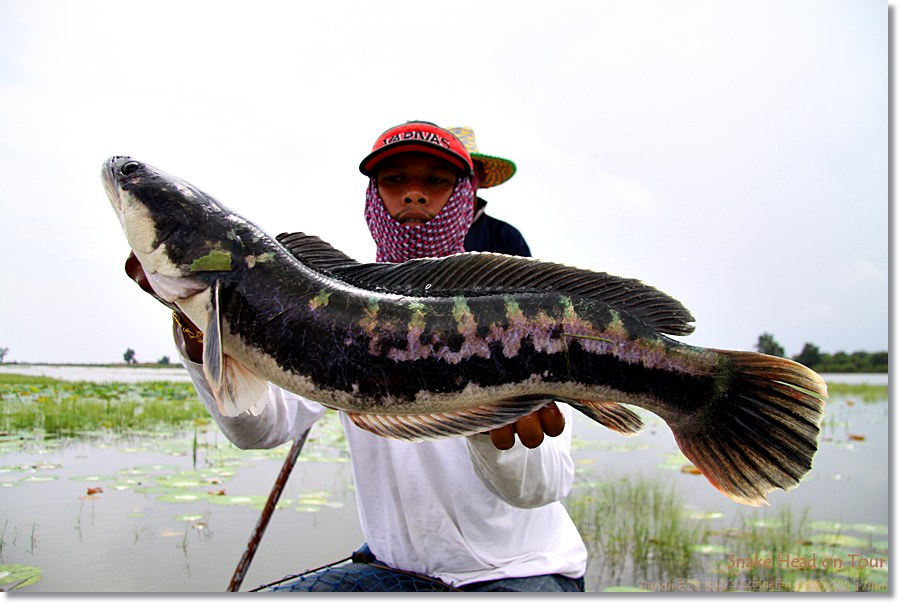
x,y
456,509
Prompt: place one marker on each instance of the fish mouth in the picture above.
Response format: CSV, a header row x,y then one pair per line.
x,y
111,174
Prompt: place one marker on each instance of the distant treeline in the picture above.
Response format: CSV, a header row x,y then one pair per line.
x,y
823,362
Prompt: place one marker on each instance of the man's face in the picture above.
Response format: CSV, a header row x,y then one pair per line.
x,y
480,175
415,186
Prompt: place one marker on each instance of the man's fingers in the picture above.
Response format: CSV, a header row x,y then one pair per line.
x,y
504,437
530,431
547,420
553,422
135,271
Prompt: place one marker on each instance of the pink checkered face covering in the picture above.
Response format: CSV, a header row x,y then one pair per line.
x,y
443,235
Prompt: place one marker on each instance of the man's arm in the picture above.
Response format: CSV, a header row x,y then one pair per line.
x,y
285,415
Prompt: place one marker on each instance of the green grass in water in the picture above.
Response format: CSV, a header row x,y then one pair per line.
x,y
638,532
58,407
637,524
868,393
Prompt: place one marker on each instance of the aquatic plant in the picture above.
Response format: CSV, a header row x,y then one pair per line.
x,y
637,524
63,408
638,532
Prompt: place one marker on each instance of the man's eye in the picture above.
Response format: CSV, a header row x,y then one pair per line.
x,y
391,179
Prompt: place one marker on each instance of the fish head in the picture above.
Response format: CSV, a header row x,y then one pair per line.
x,y
169,224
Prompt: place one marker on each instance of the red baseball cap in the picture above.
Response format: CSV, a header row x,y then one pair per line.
x,y
423,137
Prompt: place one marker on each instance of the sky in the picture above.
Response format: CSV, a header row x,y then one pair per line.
x,y
732,154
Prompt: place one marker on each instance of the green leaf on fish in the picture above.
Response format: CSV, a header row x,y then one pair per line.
x,y
216,260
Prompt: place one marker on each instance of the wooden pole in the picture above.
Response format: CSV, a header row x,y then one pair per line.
x,y
241,570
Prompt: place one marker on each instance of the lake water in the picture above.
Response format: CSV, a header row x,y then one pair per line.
x,y
174,514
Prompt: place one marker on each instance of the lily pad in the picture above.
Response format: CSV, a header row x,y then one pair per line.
x,y
709,549
157,467
17,576
248,500
839,540
93,478
307,509
826,525
39,479
183,497
701,515
871,529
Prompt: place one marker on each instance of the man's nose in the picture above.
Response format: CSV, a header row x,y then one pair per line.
x,y
415,195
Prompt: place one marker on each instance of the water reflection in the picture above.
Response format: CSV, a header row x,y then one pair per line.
x,y
101,373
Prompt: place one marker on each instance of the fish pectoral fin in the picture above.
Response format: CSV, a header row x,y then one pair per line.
x,y
447,424
239,390
235,388
612,415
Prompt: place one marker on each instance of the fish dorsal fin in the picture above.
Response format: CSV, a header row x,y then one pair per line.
x,y
476,273
481,274
314,252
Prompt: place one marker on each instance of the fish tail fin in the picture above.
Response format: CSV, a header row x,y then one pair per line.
x,y
762,435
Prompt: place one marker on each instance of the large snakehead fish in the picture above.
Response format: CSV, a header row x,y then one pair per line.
x,y
447,347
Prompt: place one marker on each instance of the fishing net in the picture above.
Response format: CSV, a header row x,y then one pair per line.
x,y
362,572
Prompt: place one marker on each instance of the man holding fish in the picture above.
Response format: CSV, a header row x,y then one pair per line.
x,y
434,345
478,513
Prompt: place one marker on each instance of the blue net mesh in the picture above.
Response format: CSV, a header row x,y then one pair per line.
x,y
361,577
365,573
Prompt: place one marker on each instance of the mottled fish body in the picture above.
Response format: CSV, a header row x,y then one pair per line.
x,y
454,346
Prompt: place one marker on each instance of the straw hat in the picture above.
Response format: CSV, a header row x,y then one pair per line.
x,y
497,170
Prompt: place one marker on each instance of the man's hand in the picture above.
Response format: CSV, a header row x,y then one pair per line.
x,y
135,271
547,420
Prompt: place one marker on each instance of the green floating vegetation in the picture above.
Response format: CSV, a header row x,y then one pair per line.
x,y
183,497
871,529
17,576
838,540
253,501
93,478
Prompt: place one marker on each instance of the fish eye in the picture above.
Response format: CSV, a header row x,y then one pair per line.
x,y
129,168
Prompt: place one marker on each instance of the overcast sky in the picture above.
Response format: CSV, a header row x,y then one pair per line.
x,y
733,154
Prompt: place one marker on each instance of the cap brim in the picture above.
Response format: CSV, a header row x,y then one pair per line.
x,y
368,164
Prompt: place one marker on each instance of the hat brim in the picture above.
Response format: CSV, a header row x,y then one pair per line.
x,y
368,165
497,170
